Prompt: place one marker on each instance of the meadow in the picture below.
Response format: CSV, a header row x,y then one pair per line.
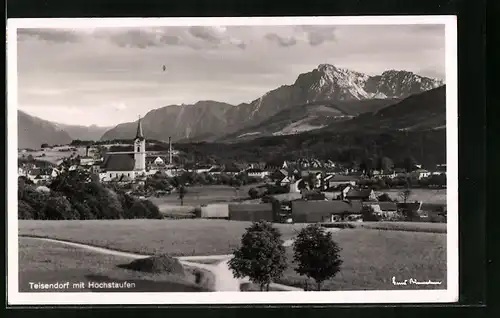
x,y
436,196
177,237
49,262
371,258
199,195
52,155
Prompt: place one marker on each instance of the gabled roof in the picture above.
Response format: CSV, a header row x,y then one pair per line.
x,y
361,193
341,178
119,162
388,206
255,170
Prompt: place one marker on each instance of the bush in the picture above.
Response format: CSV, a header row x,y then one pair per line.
x,y
253,193
369,215
144,210
157,265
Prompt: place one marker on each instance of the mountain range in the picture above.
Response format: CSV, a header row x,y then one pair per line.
x,y
342,91
326,98
33,132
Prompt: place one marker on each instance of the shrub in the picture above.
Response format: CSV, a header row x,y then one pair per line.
x,y
156,264
25,211
253,193
261,256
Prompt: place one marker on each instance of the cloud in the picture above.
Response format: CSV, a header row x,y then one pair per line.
x,y
49,35
317,35
281,41
118,106
195,37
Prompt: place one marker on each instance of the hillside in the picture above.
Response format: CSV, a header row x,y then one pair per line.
x,y
409,128
422,111
326,83
92,132
33,132
176,121
312,116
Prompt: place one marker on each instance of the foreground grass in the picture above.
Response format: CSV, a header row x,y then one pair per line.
x,y
175,237
372,257
47,262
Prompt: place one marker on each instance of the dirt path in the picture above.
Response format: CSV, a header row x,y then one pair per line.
x,y
224,279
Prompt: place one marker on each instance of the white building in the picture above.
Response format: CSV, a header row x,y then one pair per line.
x,y
129,164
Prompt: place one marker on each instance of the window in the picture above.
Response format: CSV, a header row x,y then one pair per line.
x,y
138,149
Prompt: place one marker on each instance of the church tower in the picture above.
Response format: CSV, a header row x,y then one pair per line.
x,y
140,149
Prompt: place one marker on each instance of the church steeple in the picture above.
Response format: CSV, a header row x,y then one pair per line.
x,y
139,135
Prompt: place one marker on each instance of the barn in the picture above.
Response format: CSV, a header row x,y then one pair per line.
x,y
251,212
324,211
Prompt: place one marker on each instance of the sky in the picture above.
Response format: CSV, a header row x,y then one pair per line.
x,y
107,76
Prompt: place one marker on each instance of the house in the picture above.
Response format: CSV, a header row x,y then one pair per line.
x,y
440,169
400,173
251,212
285,181
257,173
334,181
386,210
361,194
202,168
323,211
215,171
231,170
86,161
420,174
412,206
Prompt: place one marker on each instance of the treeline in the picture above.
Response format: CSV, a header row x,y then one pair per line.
x,y
78,195
426,147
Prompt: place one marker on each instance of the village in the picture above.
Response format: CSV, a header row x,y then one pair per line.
x,y
305,191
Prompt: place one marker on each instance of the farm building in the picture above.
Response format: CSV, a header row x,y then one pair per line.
x,y
363,195
323,211
334,181
214,211
384,209
251,212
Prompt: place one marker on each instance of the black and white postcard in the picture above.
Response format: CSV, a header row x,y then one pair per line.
x,y
276,160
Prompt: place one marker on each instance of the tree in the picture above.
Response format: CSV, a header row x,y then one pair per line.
x,y
182,192
405,194
386,164
58,207
384,197
253,193
261,256
316,254
44,145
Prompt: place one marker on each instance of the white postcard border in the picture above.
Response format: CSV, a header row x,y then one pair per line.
x,y
14,297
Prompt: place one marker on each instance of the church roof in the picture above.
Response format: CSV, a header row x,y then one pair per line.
x,y
119,162
139,134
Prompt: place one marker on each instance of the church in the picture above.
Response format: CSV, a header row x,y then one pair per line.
x,y
126,165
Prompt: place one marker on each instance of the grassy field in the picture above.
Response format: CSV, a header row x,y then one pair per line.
x,y
46,262
423,227
51,155
176,237
372,257
199,195
425,195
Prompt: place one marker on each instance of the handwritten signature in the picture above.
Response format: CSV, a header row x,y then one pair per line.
x,y
413,281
